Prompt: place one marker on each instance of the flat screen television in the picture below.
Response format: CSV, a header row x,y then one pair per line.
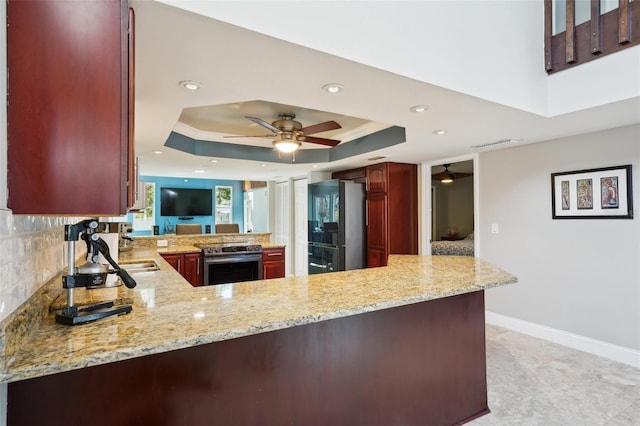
x,y
185,202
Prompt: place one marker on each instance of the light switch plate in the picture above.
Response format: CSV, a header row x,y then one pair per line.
x,y
494,228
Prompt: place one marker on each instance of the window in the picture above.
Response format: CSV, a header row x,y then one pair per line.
x,y
224,211
144,219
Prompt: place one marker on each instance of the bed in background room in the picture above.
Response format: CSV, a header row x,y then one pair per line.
x,y
453,248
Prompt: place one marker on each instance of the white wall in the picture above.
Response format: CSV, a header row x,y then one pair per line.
x,y
580,276
621,85
283,224
300,238
498,56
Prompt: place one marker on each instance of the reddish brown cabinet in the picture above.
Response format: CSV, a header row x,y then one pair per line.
x,y
69,113
273,265
377,229
392,209
189,265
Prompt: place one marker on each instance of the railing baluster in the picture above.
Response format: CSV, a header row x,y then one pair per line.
x,y
548,34
570,34
596,27
624,18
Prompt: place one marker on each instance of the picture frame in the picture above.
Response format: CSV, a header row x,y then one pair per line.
x,y
604,193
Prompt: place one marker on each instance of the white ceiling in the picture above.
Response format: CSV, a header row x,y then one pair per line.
x,y
236,66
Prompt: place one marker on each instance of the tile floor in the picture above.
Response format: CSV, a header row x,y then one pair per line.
x,y
535,382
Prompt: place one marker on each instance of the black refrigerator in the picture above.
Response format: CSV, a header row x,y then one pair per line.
x,y
336,226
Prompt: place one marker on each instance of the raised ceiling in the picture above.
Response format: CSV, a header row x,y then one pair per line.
x,y
225,120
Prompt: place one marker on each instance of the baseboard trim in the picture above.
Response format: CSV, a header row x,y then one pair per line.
x,y
575,341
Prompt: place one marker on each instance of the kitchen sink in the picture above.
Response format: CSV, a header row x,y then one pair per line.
x,y
146,266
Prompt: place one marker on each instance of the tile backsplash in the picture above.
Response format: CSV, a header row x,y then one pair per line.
x,y
32,251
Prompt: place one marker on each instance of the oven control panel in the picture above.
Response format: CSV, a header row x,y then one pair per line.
x,y
230,249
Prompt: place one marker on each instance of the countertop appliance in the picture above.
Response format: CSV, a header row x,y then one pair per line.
x,y
123,229
336,226
230,263
89,274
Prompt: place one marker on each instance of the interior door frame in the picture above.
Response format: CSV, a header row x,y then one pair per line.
x,y
425,207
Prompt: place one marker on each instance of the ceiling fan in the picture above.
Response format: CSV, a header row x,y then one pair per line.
x,y
448,176
290,133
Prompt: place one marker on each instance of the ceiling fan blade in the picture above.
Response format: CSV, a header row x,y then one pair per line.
x,y
447,173
249,136
321,127
263,124
320,141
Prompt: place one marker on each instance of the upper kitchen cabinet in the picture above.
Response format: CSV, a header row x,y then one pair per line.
x,y
70,107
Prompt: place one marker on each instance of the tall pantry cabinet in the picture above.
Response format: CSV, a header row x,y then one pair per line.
x,y
70,107
392,209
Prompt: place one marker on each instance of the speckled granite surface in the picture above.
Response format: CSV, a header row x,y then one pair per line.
x,y
169,314
151,241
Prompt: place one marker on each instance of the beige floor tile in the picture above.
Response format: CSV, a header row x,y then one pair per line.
x,y
535,382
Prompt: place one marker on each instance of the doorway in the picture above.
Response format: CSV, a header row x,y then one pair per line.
x,y
450,208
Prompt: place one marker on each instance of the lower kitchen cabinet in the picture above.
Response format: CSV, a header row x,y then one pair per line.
x,y
189,265
273,265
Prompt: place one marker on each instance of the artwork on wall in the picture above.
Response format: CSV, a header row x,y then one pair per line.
x,y
603,193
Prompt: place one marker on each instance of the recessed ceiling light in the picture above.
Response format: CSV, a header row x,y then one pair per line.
x,y
263,165
419,108
198,171
213,161
315,166
333,87
190,85
157,151
439,132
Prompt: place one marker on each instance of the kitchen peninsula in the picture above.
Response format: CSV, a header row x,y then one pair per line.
x,y
397,344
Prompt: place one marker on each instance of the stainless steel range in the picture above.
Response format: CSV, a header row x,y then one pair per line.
x,y
230,263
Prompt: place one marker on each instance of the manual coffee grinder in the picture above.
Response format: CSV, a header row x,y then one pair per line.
x,y
89,274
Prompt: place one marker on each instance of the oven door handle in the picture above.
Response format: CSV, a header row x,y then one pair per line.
x,y
232,259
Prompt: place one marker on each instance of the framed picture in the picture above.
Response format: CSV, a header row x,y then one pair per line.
x,y
592,194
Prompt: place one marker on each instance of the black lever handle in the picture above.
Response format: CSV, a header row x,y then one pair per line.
x,y
126,278
103,248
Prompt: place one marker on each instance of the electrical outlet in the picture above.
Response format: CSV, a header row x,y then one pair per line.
x,y
163,243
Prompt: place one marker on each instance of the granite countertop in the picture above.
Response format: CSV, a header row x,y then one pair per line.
x,y
168,313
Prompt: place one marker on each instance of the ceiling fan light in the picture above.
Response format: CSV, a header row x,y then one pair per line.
x,y
286,145
446,180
